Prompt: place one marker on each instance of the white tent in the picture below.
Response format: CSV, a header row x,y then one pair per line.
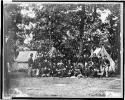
x,y
24,55
102,51
21,61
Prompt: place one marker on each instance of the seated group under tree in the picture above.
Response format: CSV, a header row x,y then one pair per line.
x,y
61,67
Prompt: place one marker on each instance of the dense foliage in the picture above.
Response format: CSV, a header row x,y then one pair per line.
x,y
70,28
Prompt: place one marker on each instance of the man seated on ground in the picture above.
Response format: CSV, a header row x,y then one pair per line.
x,y
96,66
73,68
59,64
68,68
46,63
69,73
72,71
88,69
53,71
81,67
62,69
77,71
46,69
59,72
41,66
65,71
46,72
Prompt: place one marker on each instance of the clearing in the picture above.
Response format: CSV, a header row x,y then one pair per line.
x,y
65,87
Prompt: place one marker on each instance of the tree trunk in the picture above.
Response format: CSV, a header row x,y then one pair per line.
x,y
80,47
82,26
81,30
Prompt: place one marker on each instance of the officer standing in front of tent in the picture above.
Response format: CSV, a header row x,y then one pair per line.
x,y
30,64
106,66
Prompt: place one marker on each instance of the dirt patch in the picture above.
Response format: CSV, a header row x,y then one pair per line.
x,y
65,87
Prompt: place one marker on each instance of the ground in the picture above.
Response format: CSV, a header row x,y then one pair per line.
x,y
65,87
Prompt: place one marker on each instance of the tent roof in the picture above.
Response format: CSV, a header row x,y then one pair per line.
x,y
97,51
24,55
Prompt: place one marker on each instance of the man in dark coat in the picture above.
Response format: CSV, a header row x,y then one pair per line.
x,y
30,64
46,72
96,66
77,70
95,59
35,67
106,64
54,71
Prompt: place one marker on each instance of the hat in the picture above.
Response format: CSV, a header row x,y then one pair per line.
x,y
105,56
31,54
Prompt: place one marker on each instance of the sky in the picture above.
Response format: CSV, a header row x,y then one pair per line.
x,y
30,13
104,14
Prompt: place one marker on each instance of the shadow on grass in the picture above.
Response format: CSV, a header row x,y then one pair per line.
x,y
19,74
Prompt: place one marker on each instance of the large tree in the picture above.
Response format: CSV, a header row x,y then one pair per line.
x,y
73,27
12,19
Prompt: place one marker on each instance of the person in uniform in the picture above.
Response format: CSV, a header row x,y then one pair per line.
x,y
54,72
106,65
46,72
77,72
30,65
96,66
34,69
38,67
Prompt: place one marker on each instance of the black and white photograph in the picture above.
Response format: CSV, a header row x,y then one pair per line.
x,y
63,49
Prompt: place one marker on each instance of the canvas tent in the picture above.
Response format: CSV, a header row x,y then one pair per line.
x,y
22,59
24,55
102,51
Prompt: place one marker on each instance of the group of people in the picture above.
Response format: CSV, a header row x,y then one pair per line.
x,y
44,67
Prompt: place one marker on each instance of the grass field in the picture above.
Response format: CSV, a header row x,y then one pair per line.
x,y
65,87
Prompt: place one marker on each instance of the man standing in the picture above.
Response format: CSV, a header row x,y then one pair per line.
x,y
106,64
30,64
